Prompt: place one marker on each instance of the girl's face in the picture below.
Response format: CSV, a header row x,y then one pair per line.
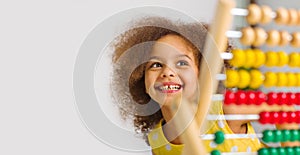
x,y
171,71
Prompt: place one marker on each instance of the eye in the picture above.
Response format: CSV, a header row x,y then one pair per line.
x,y
155,65
182,63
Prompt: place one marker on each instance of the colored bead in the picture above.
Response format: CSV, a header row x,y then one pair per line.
x,y
230,97
282,16
292,117
266,16
273,151
278,136
295,42
289,151
282,79
232,78
293,14
284,38
264,117
252,98
296,150
268,136
297,117
241,97
219,137
283,117
215,152
281,151
272,59
254,14
292,100
248,36
275,117
272,98
273,38
260,58
286,135
283,100
244,80
283,58
294,59
295,135
260,36
263,151
238,59
292,79
260,97
297,98
250,58
257,79
297,78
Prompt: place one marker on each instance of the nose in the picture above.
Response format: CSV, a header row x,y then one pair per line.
x,y
167,72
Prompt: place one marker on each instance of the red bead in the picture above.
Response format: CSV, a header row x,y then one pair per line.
x,y
292,117
264,117
292,100
275,117
283,100
252,99
272,98
297,117
241,97
283,117
230,97
297,98
260,97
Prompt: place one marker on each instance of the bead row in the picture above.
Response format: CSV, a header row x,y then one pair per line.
x,y
274,136
254,79
264,14
279,151
255,58
257,98
257,36
279,117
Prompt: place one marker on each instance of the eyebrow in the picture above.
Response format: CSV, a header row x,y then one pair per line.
x,y
177,56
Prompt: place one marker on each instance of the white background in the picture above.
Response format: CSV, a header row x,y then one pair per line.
x,y
39,41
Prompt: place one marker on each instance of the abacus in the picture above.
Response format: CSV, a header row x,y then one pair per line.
x,y
250,82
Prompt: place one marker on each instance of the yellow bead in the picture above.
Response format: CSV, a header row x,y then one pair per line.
x,y
250,58
292,79
257,79
232,78
238,59
260,58
281,79
244,80
270,79
294,59
297,79
271,59
283,59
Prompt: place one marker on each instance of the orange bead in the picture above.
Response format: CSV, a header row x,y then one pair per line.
x,y
285,38
248,36
294,59
271,59
250,58
283,58
282,16
238,59
282,79
273,38
295,42
260,58
260,36
293,14
266,14
244,80
270,79
257,79
254,14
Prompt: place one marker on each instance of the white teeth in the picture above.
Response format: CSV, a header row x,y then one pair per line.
x,y
169,87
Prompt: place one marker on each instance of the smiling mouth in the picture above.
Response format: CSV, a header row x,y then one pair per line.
x,y
169,88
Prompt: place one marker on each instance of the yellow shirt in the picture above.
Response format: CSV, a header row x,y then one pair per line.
x,y
161,146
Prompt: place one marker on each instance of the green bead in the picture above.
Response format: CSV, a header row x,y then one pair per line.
x,y
268,136
296,150
286,135
281,151
295,135
273,151
289,151
219,137
215,152
278,136
263,151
